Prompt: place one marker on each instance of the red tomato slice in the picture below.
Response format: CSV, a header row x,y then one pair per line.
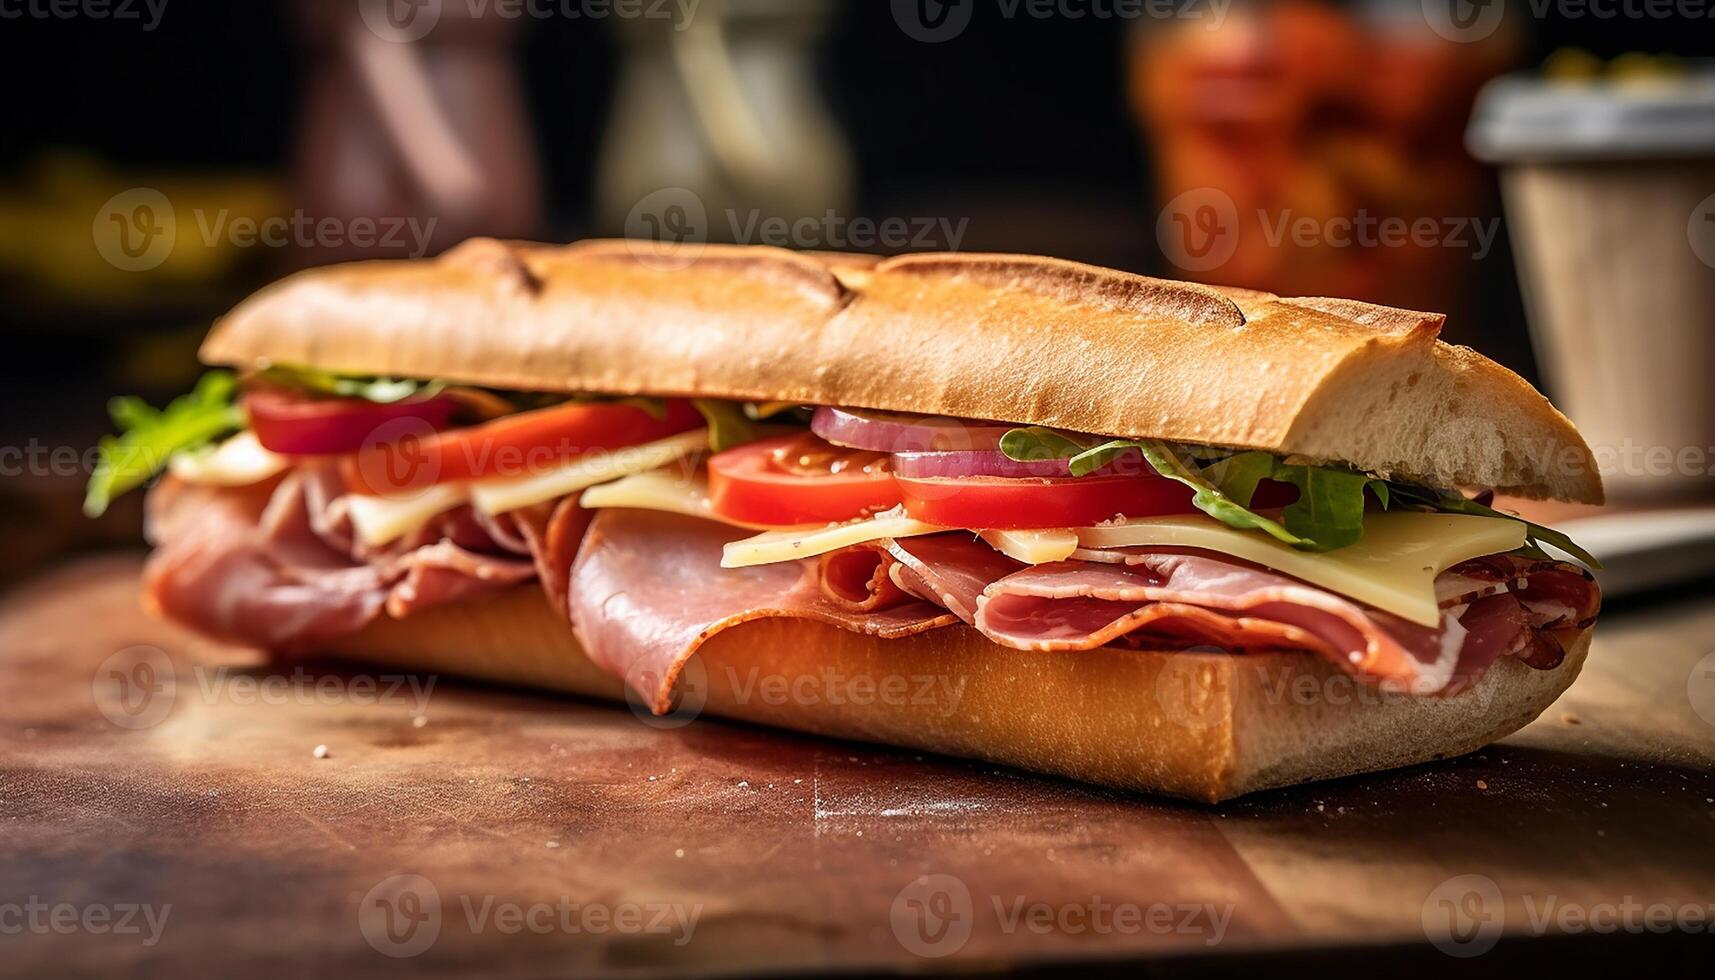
x,y
516,445
296,423
999,502
799,479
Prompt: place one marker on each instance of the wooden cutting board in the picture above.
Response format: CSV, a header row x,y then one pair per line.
x,y
453,827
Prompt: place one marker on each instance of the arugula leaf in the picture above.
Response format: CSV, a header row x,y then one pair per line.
x,y
382,391
1239,474
728,425
150,437
1328,514
1330,504
1212,500
1035,443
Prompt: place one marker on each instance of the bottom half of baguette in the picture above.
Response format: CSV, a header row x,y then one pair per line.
x,y
1201,726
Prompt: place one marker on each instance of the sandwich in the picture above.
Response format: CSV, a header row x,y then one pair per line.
x,y
1155,535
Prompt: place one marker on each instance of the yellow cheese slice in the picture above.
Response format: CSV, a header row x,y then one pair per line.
x,y
237,462
1393,568
773,546
497,496
1034,547
669,490
661,489
379,520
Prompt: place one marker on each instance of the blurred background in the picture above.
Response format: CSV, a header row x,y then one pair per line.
x,y
163,159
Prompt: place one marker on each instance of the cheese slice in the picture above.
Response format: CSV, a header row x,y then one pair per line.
x,y
773,546
661,489
1393,568
497,496
1033,547
379,520
237,462
671,491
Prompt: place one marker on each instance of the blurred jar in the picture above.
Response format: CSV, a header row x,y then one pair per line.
x,y
1289,136
718,125
1609,179
413,135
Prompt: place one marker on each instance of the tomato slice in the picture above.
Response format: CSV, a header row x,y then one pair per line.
x,y
798,479
298,423
1001,502
517,445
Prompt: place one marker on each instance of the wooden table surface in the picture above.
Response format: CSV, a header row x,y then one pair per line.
x,y
193,830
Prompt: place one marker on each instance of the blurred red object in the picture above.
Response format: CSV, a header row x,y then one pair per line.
x,y
1280,133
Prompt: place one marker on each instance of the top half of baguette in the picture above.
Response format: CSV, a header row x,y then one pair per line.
x,y
1007,337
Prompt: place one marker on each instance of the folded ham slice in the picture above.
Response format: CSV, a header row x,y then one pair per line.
x,y
647,590
1491,607
277,565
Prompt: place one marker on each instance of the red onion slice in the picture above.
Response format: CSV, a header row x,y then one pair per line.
x,y
898,432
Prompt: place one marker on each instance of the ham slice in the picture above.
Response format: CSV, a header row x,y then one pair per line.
x,y
277,565
647,590
1496,606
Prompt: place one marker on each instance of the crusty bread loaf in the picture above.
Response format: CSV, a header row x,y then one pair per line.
x,y
1014,338
1201,726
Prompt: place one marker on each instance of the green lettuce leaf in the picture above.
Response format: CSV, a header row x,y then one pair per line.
x,y
1217,503
149,437
1328,514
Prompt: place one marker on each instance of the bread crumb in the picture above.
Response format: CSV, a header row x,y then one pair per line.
x,y
320,752
678,852
1481,784
1569,718
553,843
418,721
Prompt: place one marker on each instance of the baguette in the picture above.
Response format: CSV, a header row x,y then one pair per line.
x,y
1200,726
1012,338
